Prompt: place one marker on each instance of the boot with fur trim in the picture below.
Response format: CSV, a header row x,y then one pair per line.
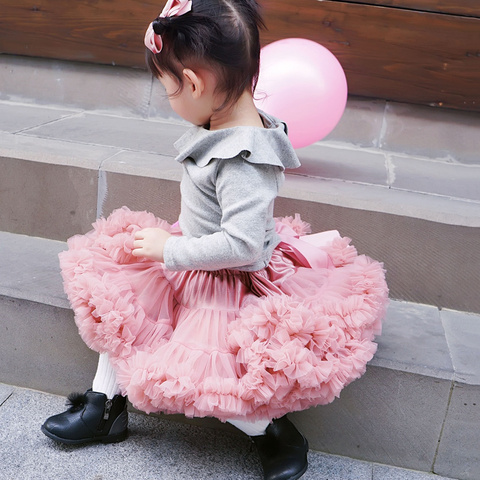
x,y
91,417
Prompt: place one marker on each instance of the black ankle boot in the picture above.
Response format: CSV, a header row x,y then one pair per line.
x,y
91,418
282,450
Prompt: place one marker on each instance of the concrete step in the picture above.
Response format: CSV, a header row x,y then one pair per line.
x,y
155,449
416,407
61,168
438,134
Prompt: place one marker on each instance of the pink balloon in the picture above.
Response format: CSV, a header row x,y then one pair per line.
x,y
303,84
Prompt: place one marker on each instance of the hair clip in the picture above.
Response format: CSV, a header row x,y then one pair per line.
x,y
173,8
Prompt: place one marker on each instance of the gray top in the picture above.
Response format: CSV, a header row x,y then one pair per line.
x,y
230,180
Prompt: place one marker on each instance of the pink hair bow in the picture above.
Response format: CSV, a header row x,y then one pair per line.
x,y
173,8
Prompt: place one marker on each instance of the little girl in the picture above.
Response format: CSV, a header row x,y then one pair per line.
x,y
230,313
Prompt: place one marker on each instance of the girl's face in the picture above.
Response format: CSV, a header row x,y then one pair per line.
x,y
194,108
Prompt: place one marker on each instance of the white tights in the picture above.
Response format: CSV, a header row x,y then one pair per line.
x,y
105,381
252,429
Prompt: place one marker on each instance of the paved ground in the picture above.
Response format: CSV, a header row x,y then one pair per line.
x,y
156,449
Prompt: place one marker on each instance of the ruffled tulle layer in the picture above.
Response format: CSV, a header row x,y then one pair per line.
x,y
227,343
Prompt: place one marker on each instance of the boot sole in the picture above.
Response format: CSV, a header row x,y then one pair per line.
x,y
119,437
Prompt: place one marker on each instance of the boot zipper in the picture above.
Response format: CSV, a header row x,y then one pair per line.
x,y
108,407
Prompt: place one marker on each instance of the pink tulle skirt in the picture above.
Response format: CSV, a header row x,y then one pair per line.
x,y
226,343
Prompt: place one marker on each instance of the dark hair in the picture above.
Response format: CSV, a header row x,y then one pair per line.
x,y
224,34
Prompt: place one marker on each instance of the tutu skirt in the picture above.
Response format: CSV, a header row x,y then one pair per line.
x,y
226,343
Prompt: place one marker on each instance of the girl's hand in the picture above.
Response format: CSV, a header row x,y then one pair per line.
x,y
149,243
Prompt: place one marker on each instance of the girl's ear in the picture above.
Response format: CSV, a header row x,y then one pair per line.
x,y
194,82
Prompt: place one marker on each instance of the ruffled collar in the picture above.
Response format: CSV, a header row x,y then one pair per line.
x,y
269,145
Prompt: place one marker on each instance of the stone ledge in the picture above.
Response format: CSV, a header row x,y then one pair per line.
x,y
416,339
339,175
30,270
442,134
72,166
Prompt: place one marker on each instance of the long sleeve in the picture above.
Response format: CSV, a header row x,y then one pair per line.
x,y
245,193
